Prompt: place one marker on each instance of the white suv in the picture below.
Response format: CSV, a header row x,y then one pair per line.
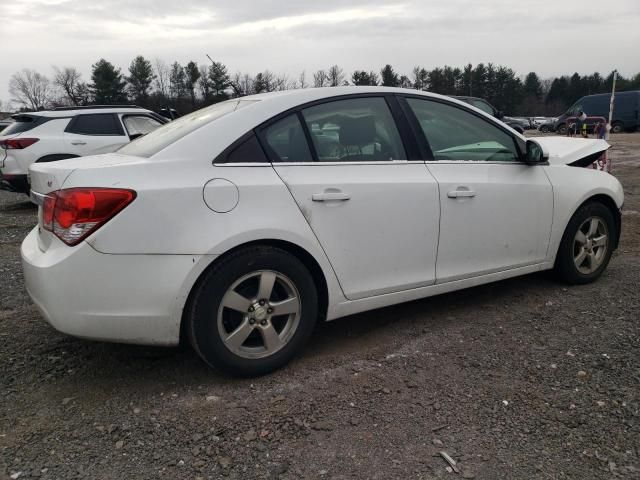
x,y
67,132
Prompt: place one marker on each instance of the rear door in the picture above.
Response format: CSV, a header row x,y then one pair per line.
x,y
94,133
375,212
496,211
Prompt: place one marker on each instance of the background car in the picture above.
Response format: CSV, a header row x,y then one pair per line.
x,y
67,132
486,107
241,225
524,122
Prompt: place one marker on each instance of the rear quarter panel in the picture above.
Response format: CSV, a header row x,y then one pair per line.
x,y
170,217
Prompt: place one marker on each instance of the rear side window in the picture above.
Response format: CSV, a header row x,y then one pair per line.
x,y
248,151
354,130
171,132
22,123
96,124
287,141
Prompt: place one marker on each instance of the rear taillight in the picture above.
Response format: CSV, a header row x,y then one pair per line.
x,y
17,143
75,213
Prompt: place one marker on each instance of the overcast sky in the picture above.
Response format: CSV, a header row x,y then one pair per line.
x,y
551,37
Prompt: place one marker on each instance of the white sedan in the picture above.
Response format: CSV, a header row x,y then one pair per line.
x,y
241,225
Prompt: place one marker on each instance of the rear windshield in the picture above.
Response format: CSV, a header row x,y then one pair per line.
x,y
164,136
22,123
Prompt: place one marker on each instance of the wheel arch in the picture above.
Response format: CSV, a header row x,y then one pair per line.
x,y
299,252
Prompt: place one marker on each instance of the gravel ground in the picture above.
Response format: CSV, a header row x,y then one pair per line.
x,y
525,378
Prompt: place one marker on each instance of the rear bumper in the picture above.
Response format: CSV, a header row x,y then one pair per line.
x,y
119,298
14,183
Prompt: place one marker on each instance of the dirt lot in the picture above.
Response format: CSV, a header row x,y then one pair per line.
x,y
525,378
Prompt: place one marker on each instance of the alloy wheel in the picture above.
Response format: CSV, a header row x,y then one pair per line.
x,y
590,245
259,314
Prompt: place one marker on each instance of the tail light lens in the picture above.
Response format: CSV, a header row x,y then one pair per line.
x,y
17,143
75,213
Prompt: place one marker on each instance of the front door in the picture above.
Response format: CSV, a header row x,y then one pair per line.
x,y
496,211
375,214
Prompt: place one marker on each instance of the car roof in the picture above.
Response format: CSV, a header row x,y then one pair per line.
x,y
83,111
299,97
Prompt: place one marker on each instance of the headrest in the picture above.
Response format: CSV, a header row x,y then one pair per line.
x,y
357,131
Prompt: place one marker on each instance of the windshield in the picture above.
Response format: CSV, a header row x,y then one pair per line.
x,y
164,136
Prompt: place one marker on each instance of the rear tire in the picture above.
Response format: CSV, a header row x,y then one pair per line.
x,y
587,244
562,129
234,323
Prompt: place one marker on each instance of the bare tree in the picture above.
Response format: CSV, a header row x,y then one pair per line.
x,y
302,80
243,84
320,79
335,76
205,83
30,89
69,83
162,81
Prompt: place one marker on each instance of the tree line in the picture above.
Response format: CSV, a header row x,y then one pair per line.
x,y
156,84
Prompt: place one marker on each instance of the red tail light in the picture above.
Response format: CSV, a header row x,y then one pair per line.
x,y
75,213
17,143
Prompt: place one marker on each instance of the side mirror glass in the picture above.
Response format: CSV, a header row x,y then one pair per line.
x,y
535,153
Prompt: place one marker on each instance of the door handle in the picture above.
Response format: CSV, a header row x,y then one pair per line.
x,y
461,194
78,143
330,196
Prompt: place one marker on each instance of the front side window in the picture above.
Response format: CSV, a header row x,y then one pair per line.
x,y
456,134
354,130
287,141
96,124
138,125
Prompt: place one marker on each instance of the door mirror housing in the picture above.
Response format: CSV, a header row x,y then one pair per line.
x,y
535,153
499,114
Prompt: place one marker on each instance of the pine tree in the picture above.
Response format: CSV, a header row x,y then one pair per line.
x,y
108,85
140,78
389,77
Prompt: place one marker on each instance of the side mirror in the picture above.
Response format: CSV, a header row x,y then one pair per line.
x,y
499,114
535,153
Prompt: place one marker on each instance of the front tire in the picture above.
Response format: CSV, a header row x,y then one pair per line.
x,y
587,244
253,311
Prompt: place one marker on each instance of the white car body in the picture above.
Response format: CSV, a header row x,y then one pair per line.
x,y
400,237
56,139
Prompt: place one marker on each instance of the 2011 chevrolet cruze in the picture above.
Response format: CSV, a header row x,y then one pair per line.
x,y
241,225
